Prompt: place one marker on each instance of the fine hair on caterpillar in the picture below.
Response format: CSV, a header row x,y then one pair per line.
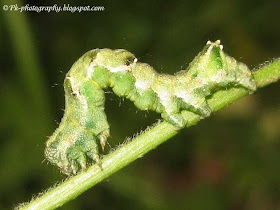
x,y
84,125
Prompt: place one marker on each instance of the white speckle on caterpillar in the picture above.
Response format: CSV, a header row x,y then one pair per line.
x,y
143,85
219,77
84,101
187,97
119,68
209,50
91,69
76,92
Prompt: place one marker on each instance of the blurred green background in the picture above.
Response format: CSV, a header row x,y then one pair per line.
x,y
229,161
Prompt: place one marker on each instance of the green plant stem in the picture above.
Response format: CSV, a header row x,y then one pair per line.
x,y
142,144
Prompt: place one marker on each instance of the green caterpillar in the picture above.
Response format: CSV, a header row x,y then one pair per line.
x,y
84,123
